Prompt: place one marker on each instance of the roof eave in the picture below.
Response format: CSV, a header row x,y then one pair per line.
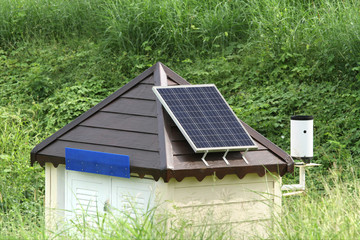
x,y
220,173
271,146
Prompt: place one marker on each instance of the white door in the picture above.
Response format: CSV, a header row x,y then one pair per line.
x,y
132,195
90,194
86,193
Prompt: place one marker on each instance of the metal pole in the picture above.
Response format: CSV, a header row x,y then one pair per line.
x,y
302,176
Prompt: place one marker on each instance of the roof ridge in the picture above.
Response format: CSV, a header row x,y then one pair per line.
x,y
174,76
165,149
91,112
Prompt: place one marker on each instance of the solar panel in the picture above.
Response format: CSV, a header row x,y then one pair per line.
x,y
204,117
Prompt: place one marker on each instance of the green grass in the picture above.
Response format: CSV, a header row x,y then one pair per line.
x,y
307,40
23,20
136,26
17,224
22,186
332,213
153,224
325,32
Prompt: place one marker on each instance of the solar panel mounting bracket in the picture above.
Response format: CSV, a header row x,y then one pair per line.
x,y
203,158
224,157
243,156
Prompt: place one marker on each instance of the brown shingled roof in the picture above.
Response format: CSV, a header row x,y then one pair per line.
x,y
131,121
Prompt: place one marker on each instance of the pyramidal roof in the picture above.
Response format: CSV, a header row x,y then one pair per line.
x,y
132,122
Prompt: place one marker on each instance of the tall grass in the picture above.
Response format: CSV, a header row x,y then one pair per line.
x,y
21,186
134,224
174,26
16,224
112,225
23,20
182,28
332,213
311,39
137,26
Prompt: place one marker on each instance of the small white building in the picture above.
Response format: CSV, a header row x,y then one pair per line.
x,y
162,165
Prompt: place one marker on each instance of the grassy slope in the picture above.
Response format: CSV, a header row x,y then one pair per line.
x,y
270,60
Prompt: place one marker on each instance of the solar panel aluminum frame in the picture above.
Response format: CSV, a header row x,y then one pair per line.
x,y
187,137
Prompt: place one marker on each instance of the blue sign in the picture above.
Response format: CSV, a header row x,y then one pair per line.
x,y
97,162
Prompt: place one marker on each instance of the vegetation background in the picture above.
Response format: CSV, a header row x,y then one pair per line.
x,y
270,59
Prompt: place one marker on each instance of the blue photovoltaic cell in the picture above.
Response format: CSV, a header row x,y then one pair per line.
x,y
205,117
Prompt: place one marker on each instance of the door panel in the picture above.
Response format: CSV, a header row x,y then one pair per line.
x,y
87,193
132,195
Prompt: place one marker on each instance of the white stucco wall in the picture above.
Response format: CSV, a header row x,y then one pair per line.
x,y
245,204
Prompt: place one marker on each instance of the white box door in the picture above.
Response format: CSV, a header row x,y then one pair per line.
x,y
90,194
87,192
133,193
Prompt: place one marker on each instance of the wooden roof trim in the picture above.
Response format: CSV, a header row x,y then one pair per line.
x,y
179,175
128,114
271,146
166,157
106,145
89,113
115,129
200,174
55,160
